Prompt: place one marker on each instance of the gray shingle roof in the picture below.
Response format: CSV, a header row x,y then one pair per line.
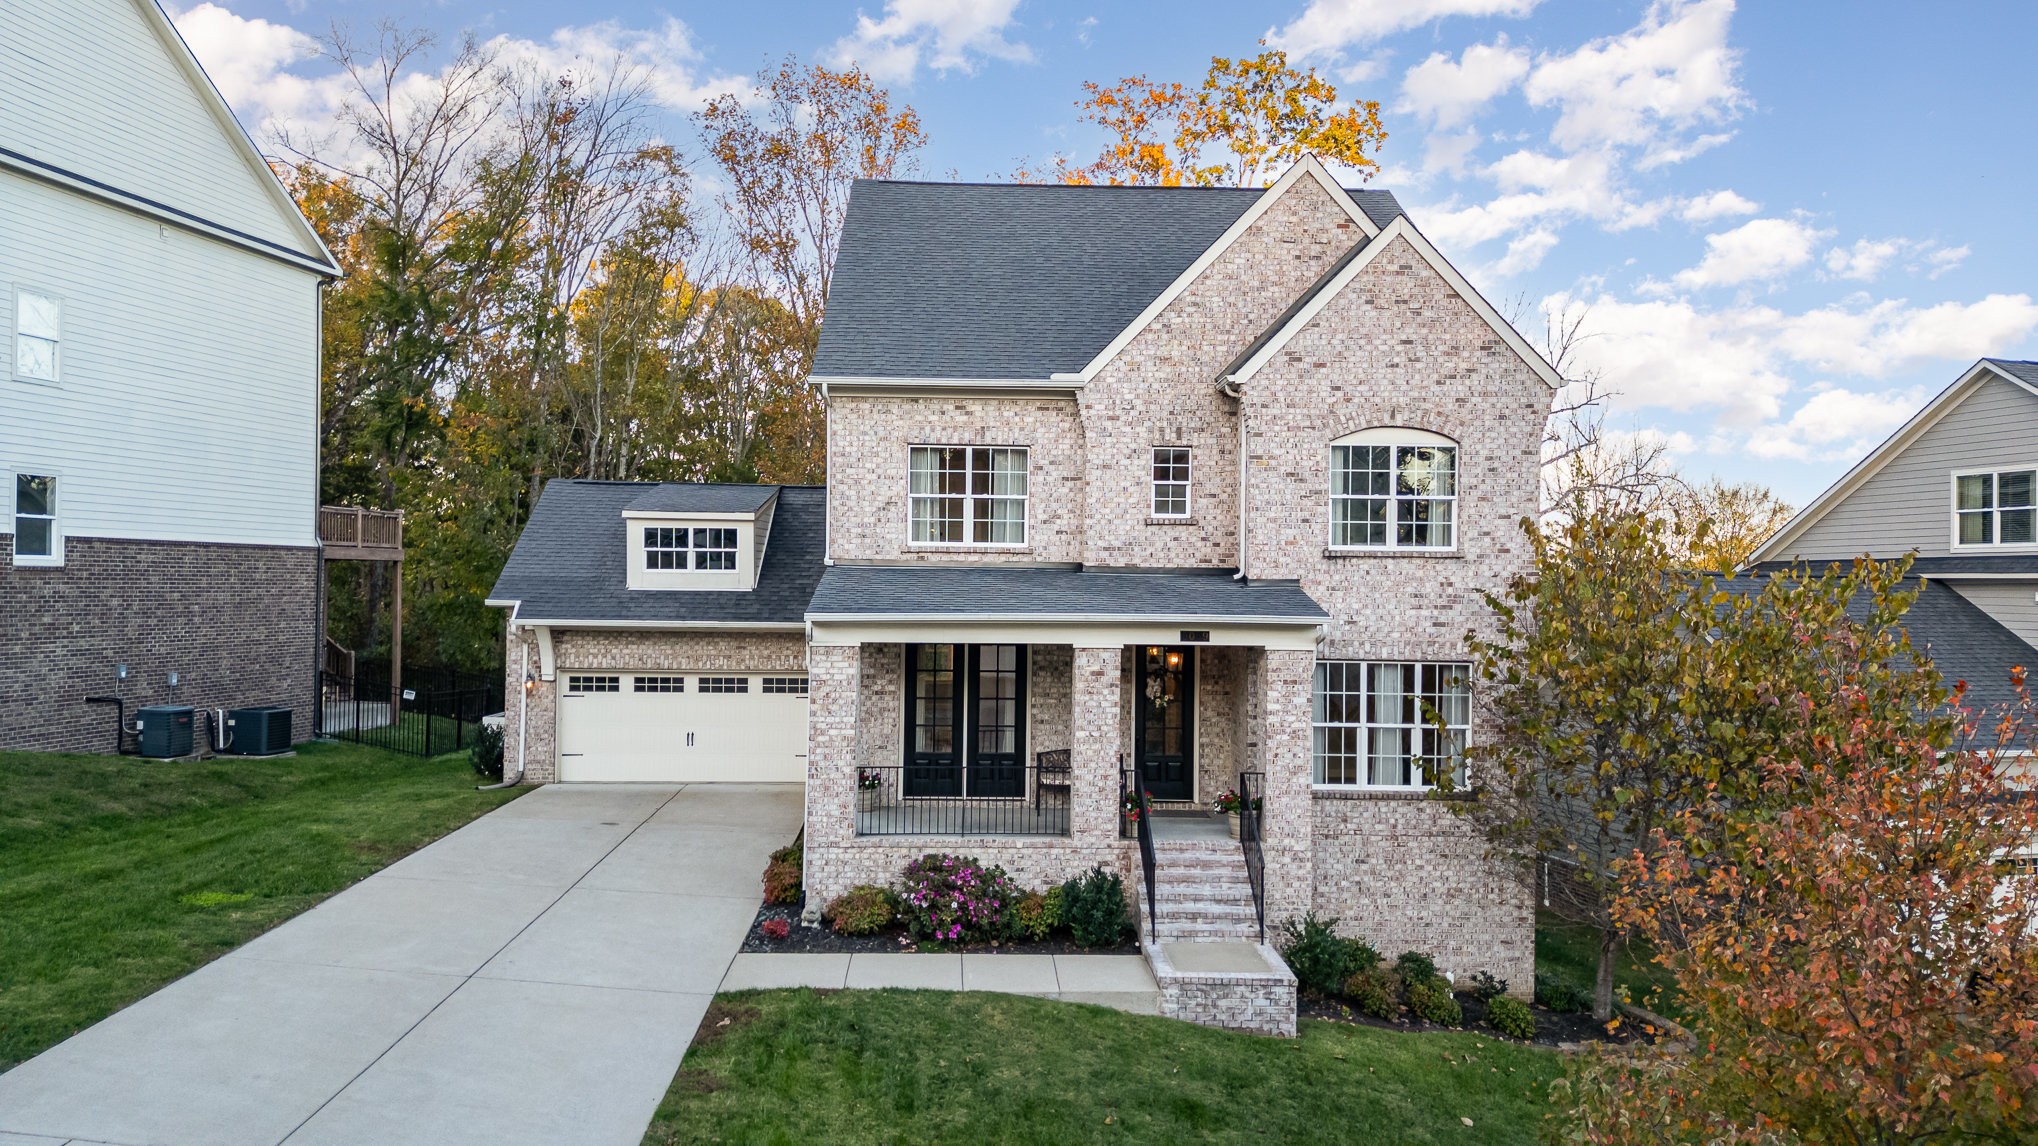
x,y
2028,371
850,591
1011,281
692,497
569,564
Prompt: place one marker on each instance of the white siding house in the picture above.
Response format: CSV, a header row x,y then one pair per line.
x,y
159,302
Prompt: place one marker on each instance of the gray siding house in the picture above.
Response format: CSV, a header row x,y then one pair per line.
x,y
1956,486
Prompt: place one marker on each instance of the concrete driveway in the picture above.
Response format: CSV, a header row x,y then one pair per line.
x,y
533,977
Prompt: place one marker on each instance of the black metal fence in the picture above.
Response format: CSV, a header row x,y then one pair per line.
x,y
417,719
1006,799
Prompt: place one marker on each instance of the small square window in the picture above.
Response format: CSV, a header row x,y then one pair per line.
x,y
660,684
584,684
786,685
724,684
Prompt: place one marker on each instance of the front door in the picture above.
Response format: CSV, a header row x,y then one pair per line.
x,y
965,721
1165,716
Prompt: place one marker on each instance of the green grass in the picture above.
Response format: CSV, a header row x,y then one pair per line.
x,y
1570,952
932,1066
118,875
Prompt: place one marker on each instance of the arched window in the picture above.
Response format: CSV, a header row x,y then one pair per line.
x,y
1393,488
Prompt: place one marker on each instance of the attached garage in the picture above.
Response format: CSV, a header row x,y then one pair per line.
x,y
682,727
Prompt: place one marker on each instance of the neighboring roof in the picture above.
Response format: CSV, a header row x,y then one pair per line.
x,y
2023,374
985,592
1964,642
1014,282
693,497
570,563
1954,567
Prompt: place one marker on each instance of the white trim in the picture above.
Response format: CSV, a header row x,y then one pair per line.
x,y
1400,228
1188,484
1308,166
1899,441
1025,499
1392,438
884,385
1365,726
54,559
668,626
1193,621
1079,632
237,136
1995,511
679,515
56,377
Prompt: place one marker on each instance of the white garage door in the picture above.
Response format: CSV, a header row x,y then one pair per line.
x,y
682,727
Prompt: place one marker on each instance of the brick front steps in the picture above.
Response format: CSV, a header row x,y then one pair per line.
x,y
1204,945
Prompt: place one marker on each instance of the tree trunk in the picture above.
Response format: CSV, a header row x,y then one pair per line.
x,y
1602,987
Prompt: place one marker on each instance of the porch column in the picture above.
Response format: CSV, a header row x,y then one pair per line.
x,y
834,687
1094,743
1288,815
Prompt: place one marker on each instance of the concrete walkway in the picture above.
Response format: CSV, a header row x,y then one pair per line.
x,y
1119,981
535,977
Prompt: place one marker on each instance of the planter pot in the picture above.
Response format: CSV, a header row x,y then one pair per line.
x,y
866,799
1231,819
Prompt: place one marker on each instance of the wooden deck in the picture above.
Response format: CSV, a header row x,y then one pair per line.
x,y
350,533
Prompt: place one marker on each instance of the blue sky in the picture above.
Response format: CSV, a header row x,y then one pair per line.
x,y
1787,223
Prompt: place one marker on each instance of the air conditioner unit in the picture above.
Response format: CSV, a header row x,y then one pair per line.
x,y
258,731
166,730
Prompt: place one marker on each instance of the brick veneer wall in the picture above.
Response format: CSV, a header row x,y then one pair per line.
x,y
237,623
575,649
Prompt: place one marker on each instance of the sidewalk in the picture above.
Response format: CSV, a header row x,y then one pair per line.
x,y
1122,982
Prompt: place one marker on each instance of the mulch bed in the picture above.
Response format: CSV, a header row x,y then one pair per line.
x,y
894,940
1553,1028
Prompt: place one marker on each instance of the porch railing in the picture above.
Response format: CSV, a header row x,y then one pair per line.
x,y
957,800
1137,808
1251,793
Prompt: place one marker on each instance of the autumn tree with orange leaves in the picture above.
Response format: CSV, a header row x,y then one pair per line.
x,y
1252,117
1856,949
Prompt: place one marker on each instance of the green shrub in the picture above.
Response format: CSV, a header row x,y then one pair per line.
x,y
1322,959
1511,1017
1055,908
1375,991
1488,988
782,875
1032,917
486,754
1432,1001
1415,967
956,899
1562,995
1093,906
862,910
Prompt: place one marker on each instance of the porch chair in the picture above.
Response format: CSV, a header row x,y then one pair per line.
x,y
1052,771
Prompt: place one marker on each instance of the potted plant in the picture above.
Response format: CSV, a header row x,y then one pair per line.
x,y
869,784
1230,803
1128,805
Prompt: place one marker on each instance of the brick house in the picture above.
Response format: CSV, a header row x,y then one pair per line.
x,y
1128,487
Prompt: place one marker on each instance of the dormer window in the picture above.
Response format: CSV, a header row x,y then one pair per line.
x,y
1995,508
671,547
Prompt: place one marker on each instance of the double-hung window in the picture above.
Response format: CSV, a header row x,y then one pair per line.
x,y
1391,724
1393,495
1995,508
678,547
1171,481
968,495
37,327
35,519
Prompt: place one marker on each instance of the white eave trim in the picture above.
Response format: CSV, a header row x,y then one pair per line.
x,y
737,516
1056,619
1308,167
1400,228
886,385
1881,456
671,626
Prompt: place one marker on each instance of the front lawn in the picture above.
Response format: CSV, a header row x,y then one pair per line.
x,y
118,875
1568,953
934,1066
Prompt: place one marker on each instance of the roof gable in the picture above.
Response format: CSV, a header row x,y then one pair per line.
x,y
105,98
1779,544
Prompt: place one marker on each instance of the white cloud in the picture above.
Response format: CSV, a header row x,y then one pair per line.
x,y
1834,424
946,35
246,59
1525,252
1716,205
1448,152
1327,27
1759,249
1868,258
664,57
1644,87
1447,93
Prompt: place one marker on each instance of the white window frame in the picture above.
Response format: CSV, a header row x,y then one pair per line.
x,y
55,557
55,339
695,554
1153,505
1364,727
1995,510
970,498
1393,439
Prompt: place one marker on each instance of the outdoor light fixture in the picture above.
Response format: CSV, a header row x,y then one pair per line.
x,y
530,682
1174,660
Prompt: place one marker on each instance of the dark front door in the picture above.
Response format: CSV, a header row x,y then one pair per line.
x,y
1165,728
965,720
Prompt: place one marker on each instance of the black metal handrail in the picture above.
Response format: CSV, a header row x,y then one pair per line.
x,y
1002,799
1251,792
1141,813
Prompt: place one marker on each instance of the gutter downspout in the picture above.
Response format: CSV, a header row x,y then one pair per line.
x,y
1228,386
523,727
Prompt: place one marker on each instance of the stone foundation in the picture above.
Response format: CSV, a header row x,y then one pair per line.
x,y
1260,1003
